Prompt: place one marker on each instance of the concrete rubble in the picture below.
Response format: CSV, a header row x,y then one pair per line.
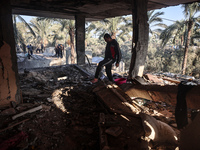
x,y
61,109
45,59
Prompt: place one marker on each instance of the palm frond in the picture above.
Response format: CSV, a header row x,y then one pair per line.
x,y
27,25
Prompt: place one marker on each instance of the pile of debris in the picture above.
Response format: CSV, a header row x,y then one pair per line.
x,y
169,79
61,109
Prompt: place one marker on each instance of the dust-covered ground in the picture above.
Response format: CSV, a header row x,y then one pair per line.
x,y
68,115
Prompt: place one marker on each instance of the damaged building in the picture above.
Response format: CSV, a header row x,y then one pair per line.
x,y
58,107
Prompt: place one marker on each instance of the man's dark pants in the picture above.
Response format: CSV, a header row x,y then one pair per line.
x,y
107,62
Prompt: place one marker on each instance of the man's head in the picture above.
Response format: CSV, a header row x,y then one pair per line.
x,y
107,37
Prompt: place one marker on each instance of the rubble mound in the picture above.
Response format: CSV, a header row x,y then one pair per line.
x,y
68,116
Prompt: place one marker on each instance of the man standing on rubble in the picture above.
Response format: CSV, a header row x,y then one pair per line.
x,y
112,54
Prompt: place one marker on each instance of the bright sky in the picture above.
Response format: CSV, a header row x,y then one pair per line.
x,y
172,13
27,18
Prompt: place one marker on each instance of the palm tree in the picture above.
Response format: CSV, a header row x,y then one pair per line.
x,y
196,31
182,29
19,38
126,29
113,26
44,29
69,25
175,32
154,19
190,10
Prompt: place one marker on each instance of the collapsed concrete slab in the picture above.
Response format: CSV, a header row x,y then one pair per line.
x,y
167,93
118,103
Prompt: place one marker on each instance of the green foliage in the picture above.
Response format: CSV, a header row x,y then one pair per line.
x,y
126,53
45,30
165,58
193,66
186,30
118,27
173,32
154,19
170,58
19,31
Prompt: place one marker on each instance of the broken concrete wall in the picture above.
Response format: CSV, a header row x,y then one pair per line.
x,y
9,83
167,94
8,79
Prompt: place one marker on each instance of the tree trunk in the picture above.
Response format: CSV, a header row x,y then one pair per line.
x,y
182,39
71,33
190,23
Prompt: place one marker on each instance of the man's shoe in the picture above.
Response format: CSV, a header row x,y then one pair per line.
x,y
94,80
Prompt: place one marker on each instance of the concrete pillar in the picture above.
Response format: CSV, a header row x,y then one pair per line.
x,y
9,82
140,38
80,39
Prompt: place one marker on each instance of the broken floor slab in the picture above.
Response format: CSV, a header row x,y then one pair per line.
x,y
167,93
115,99
119,104
122,132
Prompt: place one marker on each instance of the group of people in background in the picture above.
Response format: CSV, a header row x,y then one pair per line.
x,y
39,49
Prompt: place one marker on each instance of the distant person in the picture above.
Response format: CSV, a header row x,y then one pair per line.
x,y
56,50
18,48
112,55
60,50
42,47
30,49
38,49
